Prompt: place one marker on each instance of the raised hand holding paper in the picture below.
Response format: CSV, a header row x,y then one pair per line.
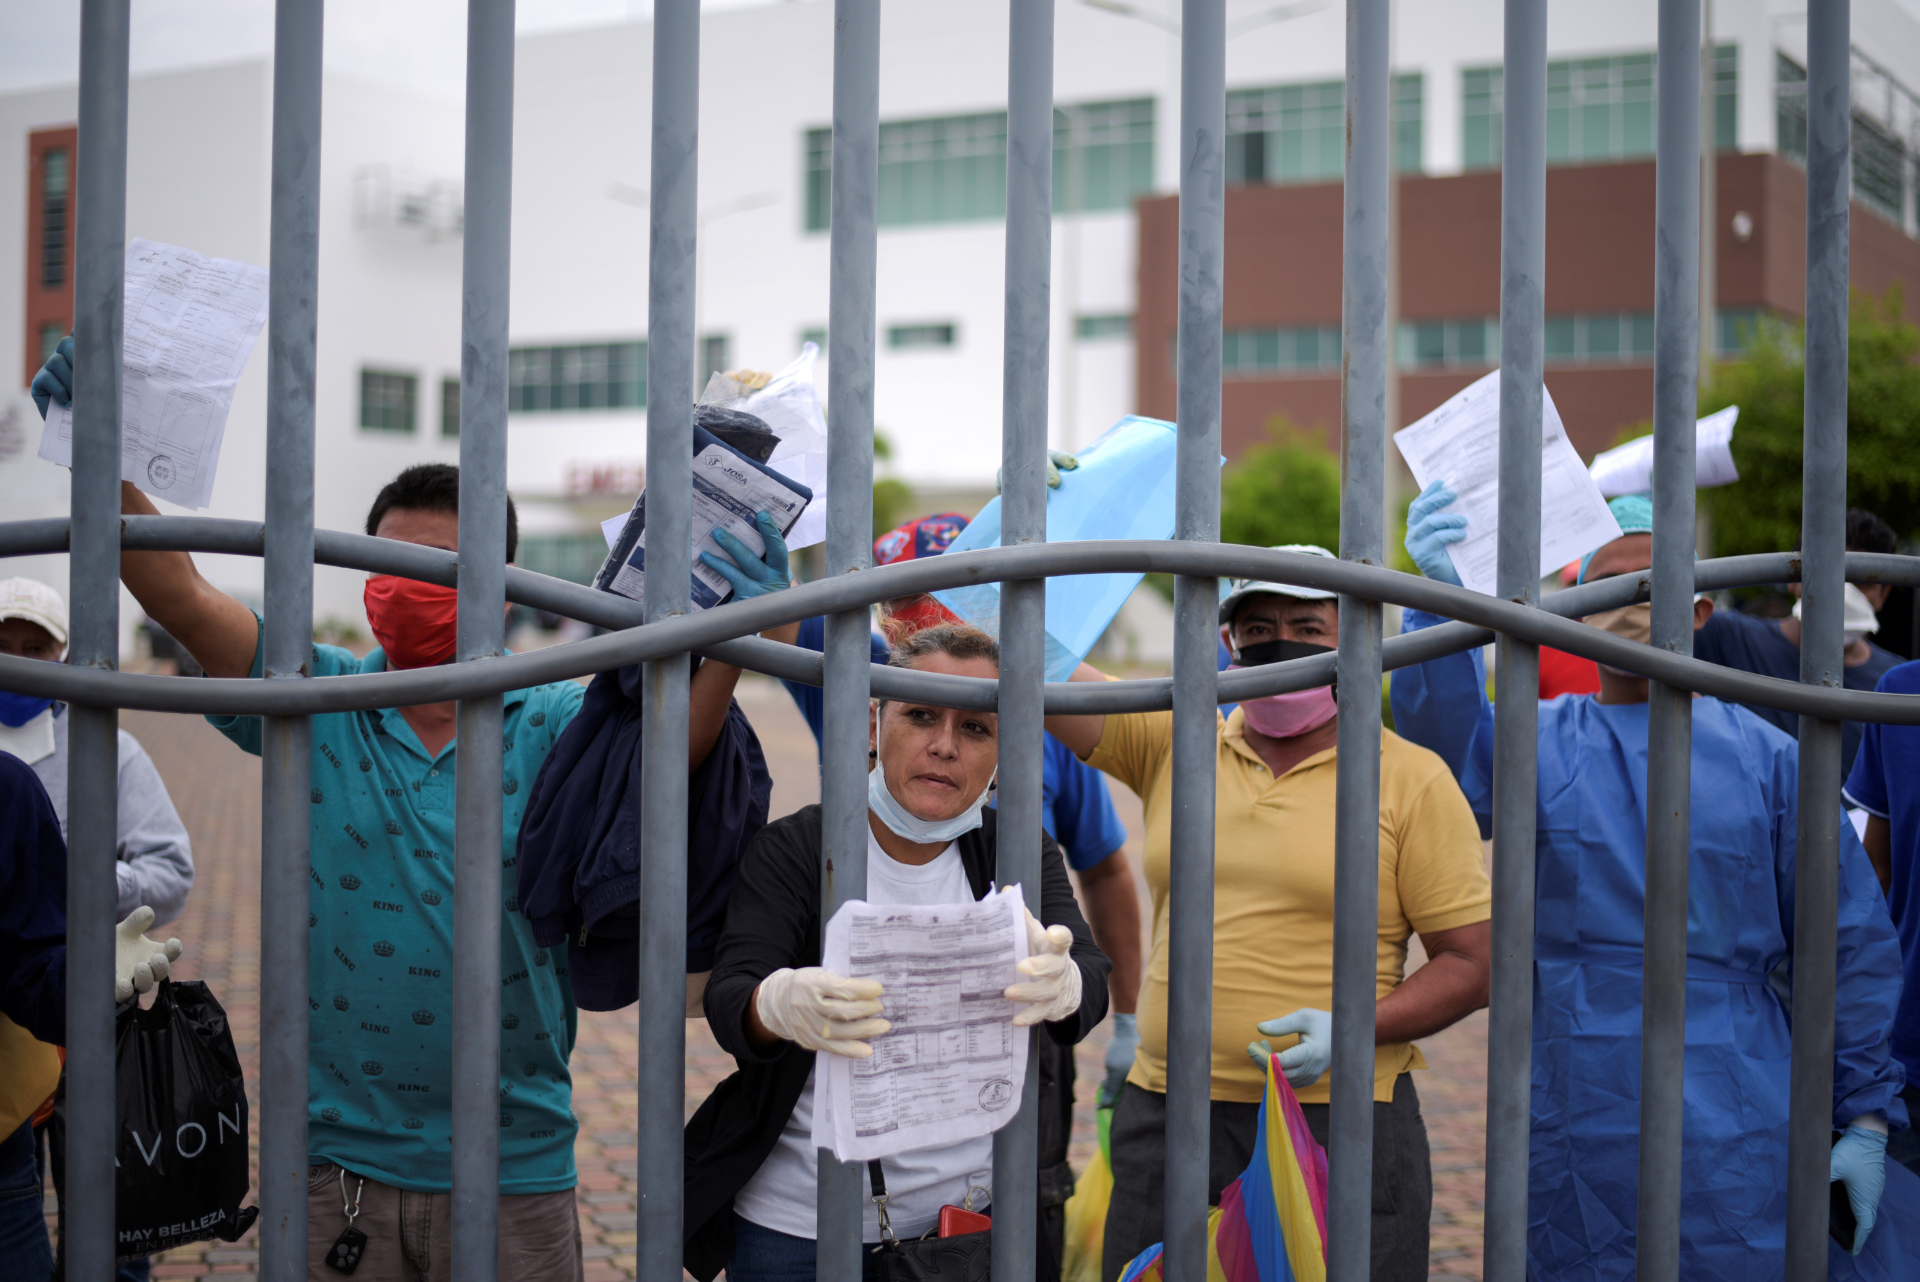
x,y
191,322
1459,443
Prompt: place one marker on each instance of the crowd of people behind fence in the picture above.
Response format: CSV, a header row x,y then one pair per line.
x,y
383,836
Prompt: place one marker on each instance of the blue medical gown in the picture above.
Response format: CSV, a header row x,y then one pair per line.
x,y
1590,873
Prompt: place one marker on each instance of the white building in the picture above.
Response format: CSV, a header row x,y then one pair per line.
x,y
390,248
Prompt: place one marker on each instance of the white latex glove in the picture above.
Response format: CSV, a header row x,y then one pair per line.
x,y
821,1011
138,962
1307,1061
1052,987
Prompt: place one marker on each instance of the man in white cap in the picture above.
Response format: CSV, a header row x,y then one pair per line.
x,y
1273,925
155,865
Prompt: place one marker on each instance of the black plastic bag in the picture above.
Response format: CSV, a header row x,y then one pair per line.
x,y
182,1151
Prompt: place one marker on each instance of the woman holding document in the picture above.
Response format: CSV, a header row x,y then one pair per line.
x,y
751,1161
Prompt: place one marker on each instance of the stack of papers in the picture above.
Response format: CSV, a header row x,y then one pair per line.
x,y
191,322
1459,443
953,1065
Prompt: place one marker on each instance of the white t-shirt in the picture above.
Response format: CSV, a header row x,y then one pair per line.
x,y
782,1194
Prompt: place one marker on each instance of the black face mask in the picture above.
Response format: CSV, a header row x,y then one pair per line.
x,y
1261,653
1264,652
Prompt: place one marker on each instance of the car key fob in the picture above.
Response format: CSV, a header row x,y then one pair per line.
x,y
347,1250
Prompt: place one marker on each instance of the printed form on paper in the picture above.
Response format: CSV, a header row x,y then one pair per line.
x,y
1459,443
953,1065
191,322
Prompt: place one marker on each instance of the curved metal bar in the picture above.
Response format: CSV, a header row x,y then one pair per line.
x,y
726,633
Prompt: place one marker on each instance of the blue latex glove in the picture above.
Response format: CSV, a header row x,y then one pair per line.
x,y
54,382
1859,1161
1058,461
751,575
1306,1062
1429,531
1120,1048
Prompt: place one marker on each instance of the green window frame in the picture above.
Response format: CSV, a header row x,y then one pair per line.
x,y
1598,109
577,378
387,401
1268,351
953,169
925,337
1098,326
1296,133
450,407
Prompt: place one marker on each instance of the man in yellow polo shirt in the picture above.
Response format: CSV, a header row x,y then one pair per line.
x,y
1273,926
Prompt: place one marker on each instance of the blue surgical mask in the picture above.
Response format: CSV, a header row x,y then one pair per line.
x,y
904,823
18,709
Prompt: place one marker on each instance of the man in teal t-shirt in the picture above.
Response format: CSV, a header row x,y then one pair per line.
x,y
381,897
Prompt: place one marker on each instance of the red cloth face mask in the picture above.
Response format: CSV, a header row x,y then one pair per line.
x,y
415,623
925,612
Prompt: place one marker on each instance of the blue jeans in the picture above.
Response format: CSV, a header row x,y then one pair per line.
x,y
762,1254
25,1253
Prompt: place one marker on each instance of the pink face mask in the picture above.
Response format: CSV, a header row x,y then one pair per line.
x,y
1282,716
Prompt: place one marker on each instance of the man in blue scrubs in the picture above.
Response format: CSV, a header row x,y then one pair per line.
x,y
1591,880
1883,781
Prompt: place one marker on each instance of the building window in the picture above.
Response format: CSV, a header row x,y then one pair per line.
x,y
915,338
1600,338
817,336
387,401
1102,155
1462,343
574,558
49,274
950,169
1301,349
449,407
1881,162
715,352
54,189
1598,109
1116,325
1297,133
1409,119
594,376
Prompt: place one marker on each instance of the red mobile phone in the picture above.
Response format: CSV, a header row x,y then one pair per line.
x,y
955,1220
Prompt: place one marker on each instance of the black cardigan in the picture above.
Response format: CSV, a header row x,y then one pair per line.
x,y
773,920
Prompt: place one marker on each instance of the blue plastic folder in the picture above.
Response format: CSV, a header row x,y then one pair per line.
x,y
1123,489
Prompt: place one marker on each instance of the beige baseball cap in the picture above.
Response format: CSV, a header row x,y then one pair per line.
x,y
1244,588
34,601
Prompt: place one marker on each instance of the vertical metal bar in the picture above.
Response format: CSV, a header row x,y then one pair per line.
x,y
1203,206
1523,266
1363,437
853,255
1822,553
665,689
1676,372
478,814
1023,604
93,780
286,766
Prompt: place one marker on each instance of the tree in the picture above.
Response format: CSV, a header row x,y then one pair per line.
x,y
1286,490
1761,511
891,495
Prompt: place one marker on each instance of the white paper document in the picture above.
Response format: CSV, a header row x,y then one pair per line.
x,y
727,493
1459,443
1628,469
191,322
953,1065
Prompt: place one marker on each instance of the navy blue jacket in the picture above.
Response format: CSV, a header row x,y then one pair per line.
x,y
33,905
578,861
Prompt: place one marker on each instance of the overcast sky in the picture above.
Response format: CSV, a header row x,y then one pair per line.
x,y
419,43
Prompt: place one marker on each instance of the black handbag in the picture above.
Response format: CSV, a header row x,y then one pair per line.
x,y
966,1257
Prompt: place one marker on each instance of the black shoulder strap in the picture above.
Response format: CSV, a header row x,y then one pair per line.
x,y
879,1181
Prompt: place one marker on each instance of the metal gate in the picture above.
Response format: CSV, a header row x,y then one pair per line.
x,y
665,633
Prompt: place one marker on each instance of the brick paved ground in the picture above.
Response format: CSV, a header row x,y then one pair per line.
x,y
217,789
